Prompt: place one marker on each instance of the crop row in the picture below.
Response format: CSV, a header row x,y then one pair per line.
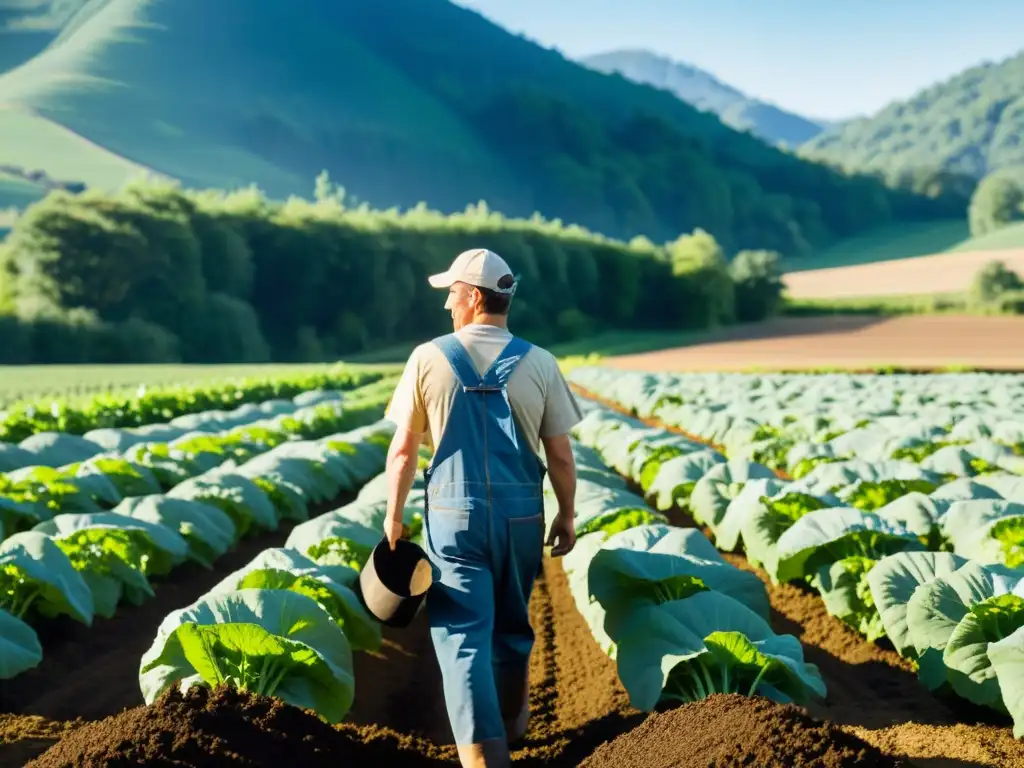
x,y
680,621
68,473
82,541
151,405
925,552
286,624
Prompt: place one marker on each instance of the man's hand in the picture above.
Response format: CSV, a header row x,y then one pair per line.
x,y
562,537
395,530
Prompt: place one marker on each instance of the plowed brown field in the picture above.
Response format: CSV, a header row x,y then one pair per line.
x,y
925,342
940,273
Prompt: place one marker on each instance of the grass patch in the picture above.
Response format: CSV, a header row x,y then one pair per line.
x,y
889,243
31,142
1011,236
893,306
885,306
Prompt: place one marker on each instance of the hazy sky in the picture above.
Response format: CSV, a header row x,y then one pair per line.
x,y
821,58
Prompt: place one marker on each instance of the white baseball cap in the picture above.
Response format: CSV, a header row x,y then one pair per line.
x,y
478,267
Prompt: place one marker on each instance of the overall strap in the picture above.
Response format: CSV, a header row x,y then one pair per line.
x,y
501,369
459,360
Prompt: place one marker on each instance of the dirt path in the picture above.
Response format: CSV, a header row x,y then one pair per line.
x,y
925,342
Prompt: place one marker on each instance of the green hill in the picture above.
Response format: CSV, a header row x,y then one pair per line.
x,y
706,92
403,101
1004,238
26,28
969,125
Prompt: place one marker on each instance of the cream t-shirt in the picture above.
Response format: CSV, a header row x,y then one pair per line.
x,y
543,404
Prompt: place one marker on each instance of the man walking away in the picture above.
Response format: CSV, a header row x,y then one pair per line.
x,y
485,401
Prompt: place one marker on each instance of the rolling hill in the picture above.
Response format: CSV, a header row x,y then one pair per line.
x,y
403,101
970,125
28,26
704,91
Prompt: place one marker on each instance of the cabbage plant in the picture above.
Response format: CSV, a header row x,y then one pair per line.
x,y
272,642
685,650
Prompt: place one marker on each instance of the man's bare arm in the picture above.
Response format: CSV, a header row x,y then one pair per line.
x,y
403,457
562,471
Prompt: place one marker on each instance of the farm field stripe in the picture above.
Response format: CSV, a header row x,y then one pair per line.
x,y
872,691
578,702
149,405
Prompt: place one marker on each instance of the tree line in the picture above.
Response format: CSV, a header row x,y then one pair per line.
x,y
155,273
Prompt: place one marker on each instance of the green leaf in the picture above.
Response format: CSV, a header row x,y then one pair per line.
x,y
1009,532
768,519
19,646
966,654
36,575
208,531
160,548
893,581
339,551
847,595
127,478
824,536
709,643
728,529
936,608
872,495
1007,659
622,579
678,477
361,629
620,520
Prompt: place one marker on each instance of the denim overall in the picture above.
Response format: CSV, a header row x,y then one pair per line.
x,y
484,535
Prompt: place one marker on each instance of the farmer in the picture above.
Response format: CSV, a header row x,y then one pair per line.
x,y
485,401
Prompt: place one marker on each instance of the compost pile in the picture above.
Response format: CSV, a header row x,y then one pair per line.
x,y
227,727
728,730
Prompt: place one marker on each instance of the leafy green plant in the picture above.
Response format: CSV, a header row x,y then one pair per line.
x,y
271,641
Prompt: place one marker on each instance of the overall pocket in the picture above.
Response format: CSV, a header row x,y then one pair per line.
x,y
526,547
450,528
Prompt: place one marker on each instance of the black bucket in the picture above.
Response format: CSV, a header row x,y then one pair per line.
x,y
394,584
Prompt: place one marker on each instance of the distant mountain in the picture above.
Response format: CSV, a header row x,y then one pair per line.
x,y
969,125
403,101
706,92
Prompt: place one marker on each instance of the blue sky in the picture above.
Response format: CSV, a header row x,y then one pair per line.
x,y
821,58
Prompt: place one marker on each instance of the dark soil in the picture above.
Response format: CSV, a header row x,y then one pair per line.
x,y
729,730
224,727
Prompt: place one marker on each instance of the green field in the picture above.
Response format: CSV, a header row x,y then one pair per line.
x,y
898,241
31,142
906,241
1011,236
42,381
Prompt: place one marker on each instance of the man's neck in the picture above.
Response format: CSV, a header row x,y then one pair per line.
x,y
495,321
